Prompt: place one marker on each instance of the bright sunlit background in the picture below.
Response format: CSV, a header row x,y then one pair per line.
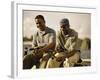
x,y
80,22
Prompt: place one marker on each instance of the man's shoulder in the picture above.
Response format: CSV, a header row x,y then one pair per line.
x,y
74,32
59,33
50,30
35,33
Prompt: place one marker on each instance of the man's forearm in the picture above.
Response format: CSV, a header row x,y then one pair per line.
x,y
69,54
48,47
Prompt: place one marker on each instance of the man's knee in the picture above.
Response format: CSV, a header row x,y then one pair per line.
x,y
50,63
45,57
74,59
28,61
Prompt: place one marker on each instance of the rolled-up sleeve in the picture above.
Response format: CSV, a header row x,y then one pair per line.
x,y
52,37
72,42
34,40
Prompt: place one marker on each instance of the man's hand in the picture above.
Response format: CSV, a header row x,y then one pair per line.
x,y
60,58
39,52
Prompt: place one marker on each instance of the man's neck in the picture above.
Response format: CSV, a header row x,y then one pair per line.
x,y
43,29
67,31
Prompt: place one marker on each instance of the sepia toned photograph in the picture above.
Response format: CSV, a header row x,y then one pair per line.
x,y
52,40
55,39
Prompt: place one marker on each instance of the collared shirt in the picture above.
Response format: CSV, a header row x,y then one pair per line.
x,y
42,38
67,42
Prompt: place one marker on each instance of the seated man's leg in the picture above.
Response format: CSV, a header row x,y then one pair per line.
x,y
74,59
44,60
29,60
53,63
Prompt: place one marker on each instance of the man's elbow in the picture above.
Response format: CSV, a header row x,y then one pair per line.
x,y
53,44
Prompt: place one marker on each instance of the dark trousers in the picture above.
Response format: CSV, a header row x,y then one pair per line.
x,y
30,60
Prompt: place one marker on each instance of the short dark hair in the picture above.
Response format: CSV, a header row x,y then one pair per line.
x,y
65,21
40,16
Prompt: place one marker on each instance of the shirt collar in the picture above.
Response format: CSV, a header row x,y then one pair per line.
x,y
44,32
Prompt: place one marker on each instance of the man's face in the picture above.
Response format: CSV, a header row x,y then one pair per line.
x,y
40,24
63,27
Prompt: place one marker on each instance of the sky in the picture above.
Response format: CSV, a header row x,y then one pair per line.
x,y
80,22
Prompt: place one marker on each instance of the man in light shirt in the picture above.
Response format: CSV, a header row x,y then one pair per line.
x,y
44,41
66,46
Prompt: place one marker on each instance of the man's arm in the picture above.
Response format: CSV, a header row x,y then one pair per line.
x,y
71,53
60,42
34,40
73,47
50,45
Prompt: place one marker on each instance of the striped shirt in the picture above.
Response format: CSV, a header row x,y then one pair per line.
x,y
67,42
41,38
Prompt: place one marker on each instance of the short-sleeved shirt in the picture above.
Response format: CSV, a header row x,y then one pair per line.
x,y
45,37
67,42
